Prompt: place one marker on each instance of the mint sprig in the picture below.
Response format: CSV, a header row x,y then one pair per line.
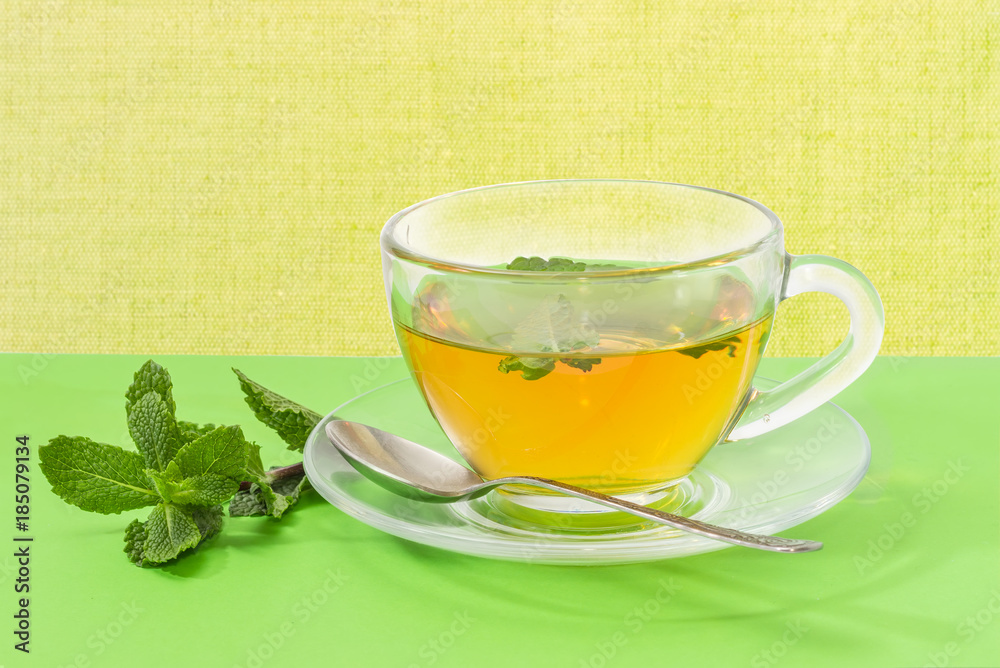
x,y
186,471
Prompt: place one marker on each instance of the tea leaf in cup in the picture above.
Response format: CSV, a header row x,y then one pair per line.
x,y
582,363
721,344
531,368
535,263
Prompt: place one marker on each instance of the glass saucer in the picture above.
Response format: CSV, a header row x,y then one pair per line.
x,y
762,485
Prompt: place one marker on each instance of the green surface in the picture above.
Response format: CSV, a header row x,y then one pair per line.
x,y
210,176
321,588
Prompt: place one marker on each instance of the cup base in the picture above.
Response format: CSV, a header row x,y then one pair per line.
x,y
556,503
551,514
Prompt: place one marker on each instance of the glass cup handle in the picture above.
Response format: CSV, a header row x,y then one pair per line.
x,y
822,381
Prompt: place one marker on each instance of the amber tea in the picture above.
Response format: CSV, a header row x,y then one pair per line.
x,y
623,416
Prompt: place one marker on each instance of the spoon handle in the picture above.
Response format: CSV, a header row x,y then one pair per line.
x,y
724,534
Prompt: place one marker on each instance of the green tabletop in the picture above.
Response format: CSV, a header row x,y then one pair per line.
x,y
909,575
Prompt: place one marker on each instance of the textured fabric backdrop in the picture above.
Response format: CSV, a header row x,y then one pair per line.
x,y
210,177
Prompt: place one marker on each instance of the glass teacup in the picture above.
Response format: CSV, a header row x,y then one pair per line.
x,y
606,333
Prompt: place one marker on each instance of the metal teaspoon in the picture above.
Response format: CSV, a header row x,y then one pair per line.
x,y
414,471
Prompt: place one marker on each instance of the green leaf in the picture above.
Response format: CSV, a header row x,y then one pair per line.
x,y
96,477
270,493
151,377
154,430
191,431
722,344
205,490
536,263
531,368
269,496
255,467
173,472
135,540
163,485
209,520
248,503
292,421
223,451
582,363
169,531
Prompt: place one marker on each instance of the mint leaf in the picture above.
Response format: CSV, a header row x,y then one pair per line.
x,y
154,430
248,503
169,531
531,368
204,490
269,496
292,421
270,493
582,363
255,467
96,477
190,431
209,520
162,483
722,344
201,490
151,377
223,451
536,263
173,472
135,540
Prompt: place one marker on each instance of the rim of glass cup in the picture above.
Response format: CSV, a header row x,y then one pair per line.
x,y
390,244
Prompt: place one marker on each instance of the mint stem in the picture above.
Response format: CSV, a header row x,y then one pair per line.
x,y
278,474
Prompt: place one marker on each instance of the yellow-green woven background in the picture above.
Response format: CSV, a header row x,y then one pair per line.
x,y
211,176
